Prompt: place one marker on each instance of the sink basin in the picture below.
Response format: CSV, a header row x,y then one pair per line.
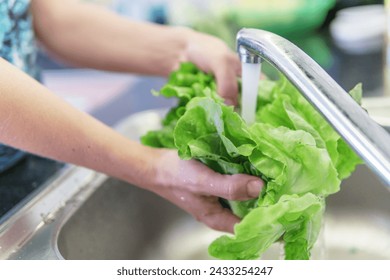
x,y
104,218
120,221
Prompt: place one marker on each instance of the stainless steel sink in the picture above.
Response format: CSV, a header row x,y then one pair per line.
x,y
103,218
120,221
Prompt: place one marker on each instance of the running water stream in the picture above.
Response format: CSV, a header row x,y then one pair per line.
x,y
250,84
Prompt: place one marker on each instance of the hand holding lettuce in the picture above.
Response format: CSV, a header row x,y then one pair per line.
x,y
291,147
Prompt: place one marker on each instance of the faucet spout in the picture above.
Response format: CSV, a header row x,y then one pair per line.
x,y
246,56
369,140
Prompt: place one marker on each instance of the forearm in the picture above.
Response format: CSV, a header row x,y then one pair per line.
x,y
91,36
34,119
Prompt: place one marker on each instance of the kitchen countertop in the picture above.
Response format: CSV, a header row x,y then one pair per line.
x,y
14,188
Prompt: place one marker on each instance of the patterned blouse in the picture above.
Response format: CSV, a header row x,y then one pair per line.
x,y
17,42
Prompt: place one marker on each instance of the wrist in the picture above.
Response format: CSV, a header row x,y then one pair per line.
x,y
138,165
185,38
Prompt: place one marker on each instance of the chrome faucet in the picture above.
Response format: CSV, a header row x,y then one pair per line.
x,y
369,140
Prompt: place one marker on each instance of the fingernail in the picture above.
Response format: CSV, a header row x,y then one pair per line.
x,y
254,188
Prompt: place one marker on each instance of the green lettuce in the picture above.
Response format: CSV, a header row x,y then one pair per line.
x,y
291,147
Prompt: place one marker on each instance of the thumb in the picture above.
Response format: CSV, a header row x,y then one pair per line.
x,y
233,187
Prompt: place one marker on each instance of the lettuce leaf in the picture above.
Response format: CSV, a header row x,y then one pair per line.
x,y
290,146
293,217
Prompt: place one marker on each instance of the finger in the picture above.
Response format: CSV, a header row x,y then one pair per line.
x,y
232,187
220,219
226,72
227,86
238,69
207,210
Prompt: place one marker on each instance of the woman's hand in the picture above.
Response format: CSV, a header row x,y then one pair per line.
x,y
90,36
212,55
195,188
